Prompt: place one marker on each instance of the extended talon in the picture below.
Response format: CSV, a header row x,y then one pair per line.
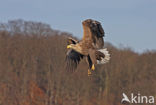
x,y
89,72
93,67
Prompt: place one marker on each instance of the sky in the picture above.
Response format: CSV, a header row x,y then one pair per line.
x,y
127,23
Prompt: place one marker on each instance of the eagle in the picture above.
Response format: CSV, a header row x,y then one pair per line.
x,y
90,47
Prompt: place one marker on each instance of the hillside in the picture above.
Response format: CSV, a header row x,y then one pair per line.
x,y
32,70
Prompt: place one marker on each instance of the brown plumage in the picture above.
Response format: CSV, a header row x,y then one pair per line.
x,y
88,47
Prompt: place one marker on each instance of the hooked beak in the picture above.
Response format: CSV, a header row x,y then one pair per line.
x,y
68,46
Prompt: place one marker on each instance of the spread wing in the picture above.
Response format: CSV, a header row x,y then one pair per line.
x,y
86,29
73,58
93,32
97,29
97,35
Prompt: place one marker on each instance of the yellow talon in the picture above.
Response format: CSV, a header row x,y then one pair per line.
x,y
89,72
93,67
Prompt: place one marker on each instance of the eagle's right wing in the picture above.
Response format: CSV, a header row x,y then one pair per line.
x,y
73,58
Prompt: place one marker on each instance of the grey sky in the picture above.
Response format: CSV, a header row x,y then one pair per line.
x,y
127,22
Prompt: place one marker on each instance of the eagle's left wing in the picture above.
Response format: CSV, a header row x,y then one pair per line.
x,y
93,33
97,29
86,29
97,34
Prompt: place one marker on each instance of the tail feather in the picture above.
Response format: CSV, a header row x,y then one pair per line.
x,y
106,58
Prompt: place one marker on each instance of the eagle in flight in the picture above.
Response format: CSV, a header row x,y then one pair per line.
x,y
91,47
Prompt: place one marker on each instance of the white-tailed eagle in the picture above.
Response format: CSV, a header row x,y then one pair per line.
x,y
91,47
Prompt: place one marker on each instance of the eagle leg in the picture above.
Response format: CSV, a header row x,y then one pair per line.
x,y
93,67
89,72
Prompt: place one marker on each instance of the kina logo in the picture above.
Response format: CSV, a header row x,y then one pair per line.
x,y
137,99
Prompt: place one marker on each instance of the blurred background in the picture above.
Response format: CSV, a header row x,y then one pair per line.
x,y
127,23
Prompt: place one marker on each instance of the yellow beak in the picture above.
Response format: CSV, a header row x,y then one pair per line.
x,y
93,67
68,46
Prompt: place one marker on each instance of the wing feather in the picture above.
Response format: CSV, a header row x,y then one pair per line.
x,y
99,30
73,58
98,34
86,29
93,33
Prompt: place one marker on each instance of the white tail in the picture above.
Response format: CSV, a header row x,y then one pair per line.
x,y
106,58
